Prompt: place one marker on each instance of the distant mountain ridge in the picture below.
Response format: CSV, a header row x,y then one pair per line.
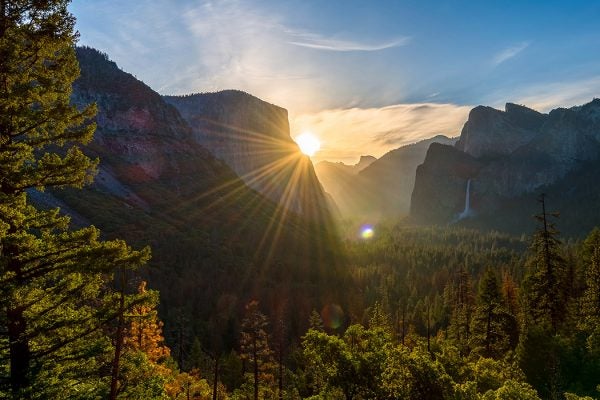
x,y
509,155
376,188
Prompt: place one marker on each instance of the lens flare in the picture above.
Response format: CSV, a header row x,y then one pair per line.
x,y
366,232
333,316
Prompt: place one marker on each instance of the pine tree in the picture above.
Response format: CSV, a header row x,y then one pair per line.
x,y
591,296
379,318
52,279
546,290
459,299
144,332
255,346
315,322
545,294
491,321
137,335
591,302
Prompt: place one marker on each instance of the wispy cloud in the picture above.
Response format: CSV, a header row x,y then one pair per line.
x,y
205,45
318,42
346,134
547,96
509,53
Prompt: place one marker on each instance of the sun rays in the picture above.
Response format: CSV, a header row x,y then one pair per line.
x,y
291,201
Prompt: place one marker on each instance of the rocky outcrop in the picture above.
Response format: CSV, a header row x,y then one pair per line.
x,y
363,163
490,133
520,151
440,184
253,138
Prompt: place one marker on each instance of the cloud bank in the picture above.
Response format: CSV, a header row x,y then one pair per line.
x,y
346,134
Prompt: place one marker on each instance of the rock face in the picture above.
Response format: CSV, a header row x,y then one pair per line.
x,y
376,188
142,141
253,138
490,133
519,152
445,173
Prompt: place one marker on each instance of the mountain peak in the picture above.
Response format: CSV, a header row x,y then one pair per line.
x,y
364,162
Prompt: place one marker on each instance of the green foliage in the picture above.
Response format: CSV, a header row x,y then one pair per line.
x,y
53,281
139,378
512,390
546,287
493,326
255,349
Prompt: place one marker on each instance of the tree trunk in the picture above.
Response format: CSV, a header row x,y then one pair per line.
x,y
428,330
20,355
255,356
215,377
114,380
16,324
280,361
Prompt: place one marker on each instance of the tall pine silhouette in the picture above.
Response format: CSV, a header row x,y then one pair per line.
x,y
52,278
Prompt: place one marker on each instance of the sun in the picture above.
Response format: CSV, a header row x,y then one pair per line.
x,y
309,144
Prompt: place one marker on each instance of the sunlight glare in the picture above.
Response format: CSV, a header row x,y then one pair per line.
x,y
309,144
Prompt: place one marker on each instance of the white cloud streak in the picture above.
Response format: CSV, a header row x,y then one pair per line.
x,y
318,42
547,96
346,134
509,53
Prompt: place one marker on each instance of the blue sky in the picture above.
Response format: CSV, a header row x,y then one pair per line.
x,y
356,71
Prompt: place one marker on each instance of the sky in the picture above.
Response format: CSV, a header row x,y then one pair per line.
x,y
364,76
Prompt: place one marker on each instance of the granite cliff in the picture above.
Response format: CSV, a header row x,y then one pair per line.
x,y
513,155
253,138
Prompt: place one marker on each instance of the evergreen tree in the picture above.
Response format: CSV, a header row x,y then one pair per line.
x,y
315,322
144,331
546,290
591,302
255,347
459,299
52,279
379,318
491,321
546,297
591,296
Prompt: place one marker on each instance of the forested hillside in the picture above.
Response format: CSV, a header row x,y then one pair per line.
x,y
254,301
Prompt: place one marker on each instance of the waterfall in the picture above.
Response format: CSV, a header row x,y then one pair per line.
x,y
467,211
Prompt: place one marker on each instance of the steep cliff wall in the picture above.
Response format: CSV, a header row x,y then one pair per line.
x,y
253,138
519,152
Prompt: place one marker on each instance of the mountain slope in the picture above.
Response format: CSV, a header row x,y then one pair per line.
x,y
253,138
216,242
519,154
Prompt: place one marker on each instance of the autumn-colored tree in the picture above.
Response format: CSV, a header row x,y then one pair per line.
x,y
145,331
189,386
